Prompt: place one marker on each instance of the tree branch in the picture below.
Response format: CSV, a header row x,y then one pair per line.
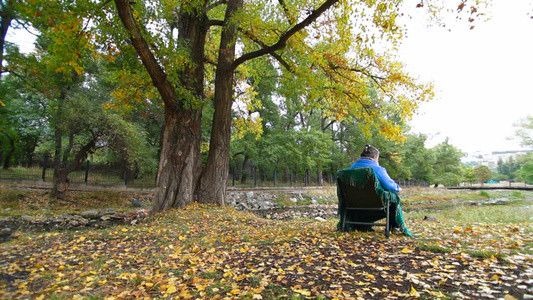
x,y
158,76
263,45
215,23
215,4
282,42
286,11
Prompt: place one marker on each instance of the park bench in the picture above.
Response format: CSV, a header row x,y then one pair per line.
x,y
363,202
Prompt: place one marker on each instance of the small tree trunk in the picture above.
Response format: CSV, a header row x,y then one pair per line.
x,y
11,150
61,184
320,177
245,169
57,151
61,181
69,147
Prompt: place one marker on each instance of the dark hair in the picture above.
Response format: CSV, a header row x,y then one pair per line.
x,y
370,151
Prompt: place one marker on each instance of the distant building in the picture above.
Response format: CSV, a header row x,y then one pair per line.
x,y
490,159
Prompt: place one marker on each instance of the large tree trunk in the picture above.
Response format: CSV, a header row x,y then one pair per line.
x,y
214,179
180,160
179,163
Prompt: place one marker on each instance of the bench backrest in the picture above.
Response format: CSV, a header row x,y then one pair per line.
x,y
359,188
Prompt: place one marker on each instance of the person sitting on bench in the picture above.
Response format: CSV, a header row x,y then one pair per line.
x,y
370,158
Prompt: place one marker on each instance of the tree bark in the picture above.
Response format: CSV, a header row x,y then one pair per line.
x,y
245,169
180,160
214,179
58,131
61,181
179,163
320,176
11,150
69,147
57,151
6,16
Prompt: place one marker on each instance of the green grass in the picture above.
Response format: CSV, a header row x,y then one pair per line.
x,y
481,228
484,194
447,213
10,199
433,248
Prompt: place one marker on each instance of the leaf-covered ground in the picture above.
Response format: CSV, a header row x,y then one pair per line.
x,y
473,250
209,252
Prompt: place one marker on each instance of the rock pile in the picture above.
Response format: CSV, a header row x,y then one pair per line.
x,y
320,212
284,205
267,205
86,219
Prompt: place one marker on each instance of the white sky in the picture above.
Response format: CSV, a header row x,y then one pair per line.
x,y
483,77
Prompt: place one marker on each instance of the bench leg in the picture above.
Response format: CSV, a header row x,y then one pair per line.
x,y
343,221
387,226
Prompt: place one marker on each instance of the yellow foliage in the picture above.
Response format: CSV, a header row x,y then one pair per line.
x,y
204,147
249,125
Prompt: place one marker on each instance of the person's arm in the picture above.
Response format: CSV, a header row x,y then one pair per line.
x,y
386,182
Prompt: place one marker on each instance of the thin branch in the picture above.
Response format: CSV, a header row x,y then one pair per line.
x,y
286,11
331,122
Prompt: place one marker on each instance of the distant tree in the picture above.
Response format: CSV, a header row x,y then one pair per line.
x,y
469,175
447,168
418,159
483,173
22,121
525,172
507,168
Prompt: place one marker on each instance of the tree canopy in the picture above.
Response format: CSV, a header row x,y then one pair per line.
x,y
296,84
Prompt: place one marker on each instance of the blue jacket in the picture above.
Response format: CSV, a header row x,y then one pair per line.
x,y
384,179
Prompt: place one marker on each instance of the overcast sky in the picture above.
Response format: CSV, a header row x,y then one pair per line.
x,y
483,77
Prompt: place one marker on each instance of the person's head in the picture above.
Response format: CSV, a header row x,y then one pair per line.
x,y
370,152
